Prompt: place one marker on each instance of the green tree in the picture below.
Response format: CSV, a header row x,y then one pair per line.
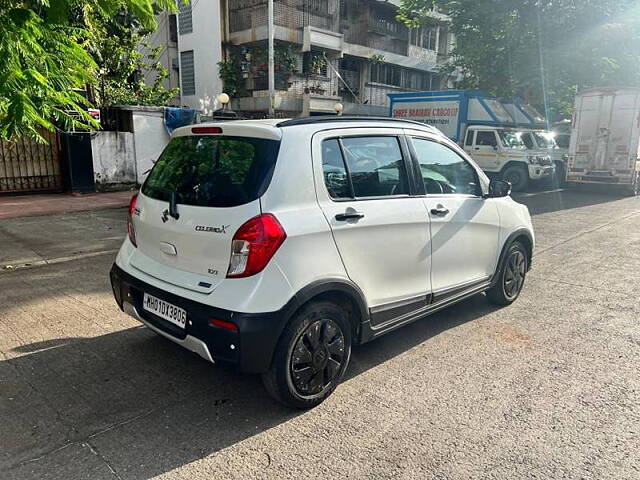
x,y
539,49
117,46
45,59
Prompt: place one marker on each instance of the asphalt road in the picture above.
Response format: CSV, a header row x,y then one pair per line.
x,y
547,388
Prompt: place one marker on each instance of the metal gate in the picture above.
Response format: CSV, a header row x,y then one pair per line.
x,y
30,166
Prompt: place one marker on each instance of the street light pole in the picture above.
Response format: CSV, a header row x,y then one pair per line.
x,y
271,73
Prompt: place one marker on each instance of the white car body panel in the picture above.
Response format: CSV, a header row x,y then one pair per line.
x,y
465,242
401,254
387,252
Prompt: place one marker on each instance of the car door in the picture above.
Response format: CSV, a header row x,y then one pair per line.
x,y
529,141
381,230
464,225
485,150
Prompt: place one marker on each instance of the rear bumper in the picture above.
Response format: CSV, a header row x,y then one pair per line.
x,y
623,181
250,348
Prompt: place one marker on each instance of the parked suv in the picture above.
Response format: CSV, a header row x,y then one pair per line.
x,y
500,152
278,245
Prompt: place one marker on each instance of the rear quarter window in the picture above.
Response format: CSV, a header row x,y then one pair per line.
x,y
213,171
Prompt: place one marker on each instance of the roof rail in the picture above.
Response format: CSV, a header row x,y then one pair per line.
x,y
344,118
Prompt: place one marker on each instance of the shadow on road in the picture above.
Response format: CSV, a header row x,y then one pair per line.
x,y
544,199
149,406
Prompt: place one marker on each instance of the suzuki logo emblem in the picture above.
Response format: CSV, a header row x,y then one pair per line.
x,y
165,216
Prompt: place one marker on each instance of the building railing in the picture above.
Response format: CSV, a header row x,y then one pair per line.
x,y
293,14
388,27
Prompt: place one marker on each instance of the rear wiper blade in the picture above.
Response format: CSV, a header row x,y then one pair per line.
x,y
173,202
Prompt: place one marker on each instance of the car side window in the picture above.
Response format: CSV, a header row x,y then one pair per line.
x,y
486,139
334,170
469,141
443,170
528,142
376,166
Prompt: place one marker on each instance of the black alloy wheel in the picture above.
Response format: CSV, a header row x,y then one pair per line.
x,y
311,356
317,357
511,275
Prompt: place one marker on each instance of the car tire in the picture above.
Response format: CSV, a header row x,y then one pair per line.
x,y
511,276
517,176
311,356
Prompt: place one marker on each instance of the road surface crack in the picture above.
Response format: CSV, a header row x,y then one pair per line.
x,y
85,442
95,451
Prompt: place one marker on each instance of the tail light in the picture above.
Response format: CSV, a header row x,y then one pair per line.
x,y
198,130
130,229
254,244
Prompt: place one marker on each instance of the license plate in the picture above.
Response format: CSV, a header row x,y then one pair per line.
x,y
171,313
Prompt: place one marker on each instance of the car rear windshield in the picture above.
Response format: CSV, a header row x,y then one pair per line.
x,y
213,171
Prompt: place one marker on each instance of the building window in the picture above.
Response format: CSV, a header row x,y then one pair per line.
x,y
387,74
443,47
350,72
317,7
401,77
185,21
173,28
424,36
314,63
187,73
417,80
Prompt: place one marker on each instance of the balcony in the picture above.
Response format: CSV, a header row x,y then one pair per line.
x,y
387,27
324,39
245,15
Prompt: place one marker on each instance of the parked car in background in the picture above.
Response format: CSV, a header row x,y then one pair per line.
x,y
277,245
545,141
501,152
483,126
605,139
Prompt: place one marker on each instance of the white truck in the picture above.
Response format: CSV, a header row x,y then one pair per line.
x,y
605,138
484,126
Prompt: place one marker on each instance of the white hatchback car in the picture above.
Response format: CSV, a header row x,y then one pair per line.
x,y
277,245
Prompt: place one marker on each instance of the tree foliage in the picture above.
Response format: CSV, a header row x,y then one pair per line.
x,y
45,59
123,57
517,47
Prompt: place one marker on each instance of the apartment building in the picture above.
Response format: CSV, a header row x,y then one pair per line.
x,y
165,36
326,51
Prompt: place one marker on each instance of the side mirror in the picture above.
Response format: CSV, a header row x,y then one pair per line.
x,y
498,189
495,147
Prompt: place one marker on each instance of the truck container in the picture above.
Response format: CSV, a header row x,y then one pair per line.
x,y
484,126
605,138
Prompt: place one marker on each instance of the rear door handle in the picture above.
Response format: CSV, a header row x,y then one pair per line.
x,y
440,211
342,217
